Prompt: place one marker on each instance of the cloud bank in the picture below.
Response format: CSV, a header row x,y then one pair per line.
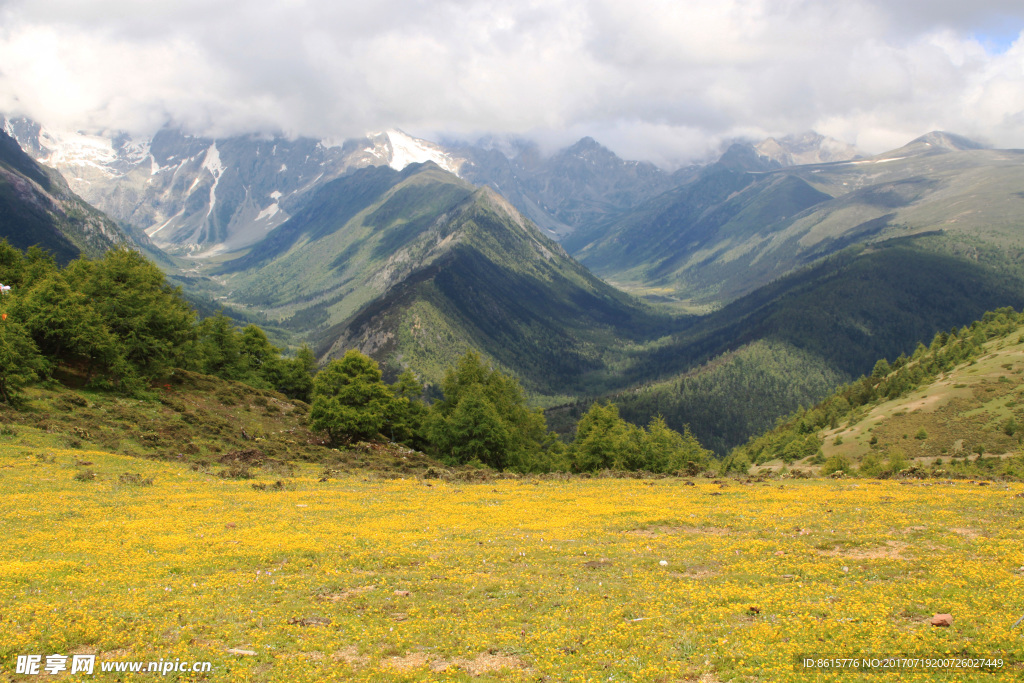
x,y
664,80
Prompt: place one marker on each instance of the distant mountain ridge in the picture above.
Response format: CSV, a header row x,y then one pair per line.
x,y
580,185
417,266
200,196
807,148
738,226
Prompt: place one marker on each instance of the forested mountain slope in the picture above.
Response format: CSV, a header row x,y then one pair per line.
x,y
415,267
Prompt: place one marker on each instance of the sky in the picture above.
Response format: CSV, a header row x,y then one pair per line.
x,y
669,81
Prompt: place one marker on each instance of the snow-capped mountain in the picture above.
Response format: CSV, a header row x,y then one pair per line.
x,y
202,196
397,150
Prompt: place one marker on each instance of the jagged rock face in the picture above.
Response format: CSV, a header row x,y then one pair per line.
x,y
199,195
38,208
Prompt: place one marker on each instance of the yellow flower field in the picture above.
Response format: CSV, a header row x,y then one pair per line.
x,y
361,578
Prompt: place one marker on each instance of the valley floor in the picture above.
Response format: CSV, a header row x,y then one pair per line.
x,y
366,578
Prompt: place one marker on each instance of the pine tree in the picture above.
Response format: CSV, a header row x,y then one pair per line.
x,y
476,432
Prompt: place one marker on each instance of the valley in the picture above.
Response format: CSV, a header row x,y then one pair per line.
x,y
474,342
408,251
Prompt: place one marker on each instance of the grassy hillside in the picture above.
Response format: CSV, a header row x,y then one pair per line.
x,y
950,409
735,395
503,288
732,373
213,425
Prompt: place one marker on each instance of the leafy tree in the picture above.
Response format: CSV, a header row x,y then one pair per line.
x,y
38,264
66,327
222,348
257,353
475,431
409,416
296,380
20,360
602,440
666,450
350,402
606,441
12,264
154,325
516,439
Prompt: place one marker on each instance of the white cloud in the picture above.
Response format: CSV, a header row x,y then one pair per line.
x,y
658,79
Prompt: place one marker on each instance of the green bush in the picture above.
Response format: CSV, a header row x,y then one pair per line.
x,y
350,402
836,463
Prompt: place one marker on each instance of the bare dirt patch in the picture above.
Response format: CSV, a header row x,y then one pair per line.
x,y
655,531
967,533
413,660
350,655
483,663
695,572
487,663
346,594
890,551
598,564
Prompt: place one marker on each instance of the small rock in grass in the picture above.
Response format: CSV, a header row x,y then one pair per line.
x,y
236,651
663,563
944,620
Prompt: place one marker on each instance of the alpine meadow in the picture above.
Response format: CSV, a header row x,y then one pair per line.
x,y
477,341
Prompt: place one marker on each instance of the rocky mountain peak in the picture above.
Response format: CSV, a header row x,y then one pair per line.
x,y
806,148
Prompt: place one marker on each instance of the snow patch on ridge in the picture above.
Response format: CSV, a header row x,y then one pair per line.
x,y
67,148
406,150
212,162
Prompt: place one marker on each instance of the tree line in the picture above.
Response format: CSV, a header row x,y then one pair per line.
x,y
483,420
115,323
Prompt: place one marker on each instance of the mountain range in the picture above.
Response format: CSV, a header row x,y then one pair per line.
x,y
741,224
197,195
743,287
417,266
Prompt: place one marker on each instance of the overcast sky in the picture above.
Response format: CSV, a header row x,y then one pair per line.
x,y
664,80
